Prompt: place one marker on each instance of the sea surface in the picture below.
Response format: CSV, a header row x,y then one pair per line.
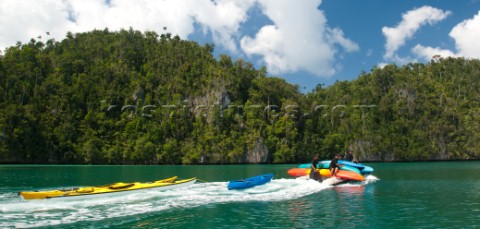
x,y
395,195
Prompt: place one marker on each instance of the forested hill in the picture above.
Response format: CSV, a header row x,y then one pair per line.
x,y
129,97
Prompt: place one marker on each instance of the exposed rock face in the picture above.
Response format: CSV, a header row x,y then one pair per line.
x,y
259,153
215,101
362,152
210,102
139,94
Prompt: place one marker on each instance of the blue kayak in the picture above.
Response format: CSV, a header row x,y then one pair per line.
x,y
250,182
320,165
326,163
305,166
366,170
352,164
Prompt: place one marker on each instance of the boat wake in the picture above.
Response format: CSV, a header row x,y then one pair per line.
x,y
18,213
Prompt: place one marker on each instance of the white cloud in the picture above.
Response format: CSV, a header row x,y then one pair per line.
x,y
402,60
336,36
467,36
299,39
411,22
26,19
427,53
382,65
223,20
23,20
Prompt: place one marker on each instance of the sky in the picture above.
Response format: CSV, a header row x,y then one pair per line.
x,y
306,42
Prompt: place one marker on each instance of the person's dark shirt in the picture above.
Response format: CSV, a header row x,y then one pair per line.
x,y
314,163
349,157
313,172
333,163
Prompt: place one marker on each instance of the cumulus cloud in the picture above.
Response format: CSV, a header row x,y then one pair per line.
x,y
299,39
426,53
467,36
223,20
22,20
411,22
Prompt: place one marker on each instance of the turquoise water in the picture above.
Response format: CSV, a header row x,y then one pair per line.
x,y
396,195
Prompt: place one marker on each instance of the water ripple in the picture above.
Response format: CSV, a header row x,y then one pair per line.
x,y
51,212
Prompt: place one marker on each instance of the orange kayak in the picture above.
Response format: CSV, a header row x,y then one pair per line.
x,y
342,174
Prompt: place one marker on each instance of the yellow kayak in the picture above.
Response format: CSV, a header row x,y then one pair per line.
x,y
297,172
116,188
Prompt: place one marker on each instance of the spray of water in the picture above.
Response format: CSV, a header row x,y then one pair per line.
x,y
19,213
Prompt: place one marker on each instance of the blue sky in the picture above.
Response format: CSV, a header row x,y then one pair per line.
x,y
307,42
362,22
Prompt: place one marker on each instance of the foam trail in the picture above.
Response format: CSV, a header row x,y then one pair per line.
x,y
371,177
39,213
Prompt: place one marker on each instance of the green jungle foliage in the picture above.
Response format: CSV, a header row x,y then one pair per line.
x,y
129,97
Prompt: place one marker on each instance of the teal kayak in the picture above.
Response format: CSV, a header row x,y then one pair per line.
x,y
326,165
349,166
367,169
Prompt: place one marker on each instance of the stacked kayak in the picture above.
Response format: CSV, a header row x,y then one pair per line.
x,y
349,171
111,189
250,182
347,165
325,173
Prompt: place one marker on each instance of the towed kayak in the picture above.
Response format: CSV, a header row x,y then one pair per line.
x,y
326,164
367,169
342,174
298,172
347,175
250,182
351,166
111,189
